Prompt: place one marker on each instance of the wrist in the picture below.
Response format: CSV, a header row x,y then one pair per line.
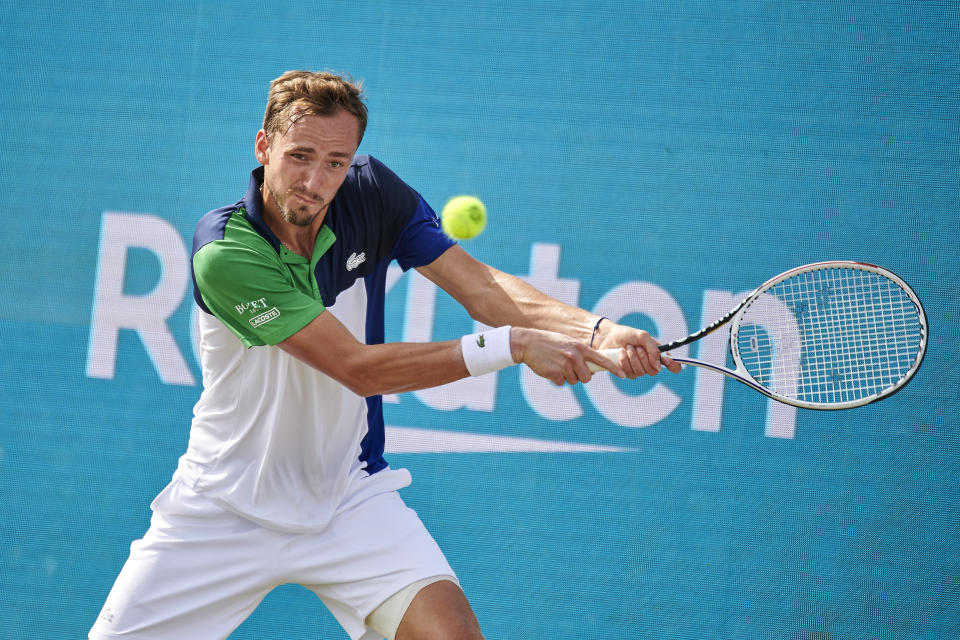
x,y
518,343
599,329
487,351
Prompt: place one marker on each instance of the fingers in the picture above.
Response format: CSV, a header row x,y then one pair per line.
x,y
672,365
605,360
647,360
568,373
640,362
562,359
582,362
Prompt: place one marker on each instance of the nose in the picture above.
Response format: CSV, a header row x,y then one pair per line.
x,y
315,182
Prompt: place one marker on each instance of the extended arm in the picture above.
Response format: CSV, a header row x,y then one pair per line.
x,y
496,298
327,345
367,370
548,336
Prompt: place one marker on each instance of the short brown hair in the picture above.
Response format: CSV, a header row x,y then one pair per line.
x,y
317,93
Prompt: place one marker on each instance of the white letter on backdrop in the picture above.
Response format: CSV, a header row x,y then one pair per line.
x,y
546,398
146,314
657,403
708,392
478,393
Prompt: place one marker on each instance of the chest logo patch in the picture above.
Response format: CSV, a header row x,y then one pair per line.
x,y
355,260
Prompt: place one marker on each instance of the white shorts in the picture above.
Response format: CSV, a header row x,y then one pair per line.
x,y
200,570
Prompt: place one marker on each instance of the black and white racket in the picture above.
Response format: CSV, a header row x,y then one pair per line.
x,y
828,335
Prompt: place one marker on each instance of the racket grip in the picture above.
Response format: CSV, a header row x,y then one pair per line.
x,y
613,354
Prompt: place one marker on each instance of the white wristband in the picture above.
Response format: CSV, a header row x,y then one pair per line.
x,y
487,351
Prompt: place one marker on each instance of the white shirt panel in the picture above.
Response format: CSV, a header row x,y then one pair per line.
x,y
273,439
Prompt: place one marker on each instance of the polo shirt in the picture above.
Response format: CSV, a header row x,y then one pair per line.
x,y
272,438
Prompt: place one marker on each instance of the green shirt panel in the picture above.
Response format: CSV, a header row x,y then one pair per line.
x,y
263,297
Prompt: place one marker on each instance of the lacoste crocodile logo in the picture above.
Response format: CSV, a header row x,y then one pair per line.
x,y
355,260
481,342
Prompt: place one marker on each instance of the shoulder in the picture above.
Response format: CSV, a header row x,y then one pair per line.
x,y
229,225
367,167
368,174
373,205
226,236
212,226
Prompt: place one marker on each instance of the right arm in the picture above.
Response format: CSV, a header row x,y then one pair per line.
x,y
367,370
397,367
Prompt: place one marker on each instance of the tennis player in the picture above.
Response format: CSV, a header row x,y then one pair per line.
x,y
284,479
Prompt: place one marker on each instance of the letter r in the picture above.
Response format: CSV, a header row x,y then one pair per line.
x,y
146,314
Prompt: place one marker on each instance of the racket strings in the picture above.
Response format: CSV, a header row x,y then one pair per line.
x,y
831,335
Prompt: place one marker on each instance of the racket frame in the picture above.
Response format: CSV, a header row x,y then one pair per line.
x,y
735,315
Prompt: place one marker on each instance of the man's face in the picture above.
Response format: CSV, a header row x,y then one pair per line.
x,y
305,166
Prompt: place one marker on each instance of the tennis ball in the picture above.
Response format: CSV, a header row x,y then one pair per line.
x,y
463,217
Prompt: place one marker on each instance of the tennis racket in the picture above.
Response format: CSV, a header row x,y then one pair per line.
x,y
828,335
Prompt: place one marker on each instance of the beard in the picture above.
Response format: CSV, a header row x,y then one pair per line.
x,y
299,214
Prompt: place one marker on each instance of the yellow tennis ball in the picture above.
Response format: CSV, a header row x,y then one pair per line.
x,y
463,217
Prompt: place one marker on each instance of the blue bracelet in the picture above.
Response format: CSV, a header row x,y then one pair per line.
x,y
595,327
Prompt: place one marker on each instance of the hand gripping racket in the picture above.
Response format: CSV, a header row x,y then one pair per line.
x,y
828,335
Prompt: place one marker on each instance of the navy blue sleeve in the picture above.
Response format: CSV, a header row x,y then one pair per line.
x,y
419,239
422,239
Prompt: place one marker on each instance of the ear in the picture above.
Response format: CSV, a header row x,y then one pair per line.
x,y
261,147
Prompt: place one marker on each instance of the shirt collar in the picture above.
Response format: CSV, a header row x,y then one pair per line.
x,y
253,203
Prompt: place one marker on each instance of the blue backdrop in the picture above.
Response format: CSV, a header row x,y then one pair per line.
x,y
650,161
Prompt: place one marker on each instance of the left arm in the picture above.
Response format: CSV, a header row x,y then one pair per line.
x,y
496,298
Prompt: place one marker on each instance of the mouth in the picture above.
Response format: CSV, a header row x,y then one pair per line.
x,y
309,199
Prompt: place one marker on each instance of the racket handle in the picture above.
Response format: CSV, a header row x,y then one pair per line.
x,y
613,354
